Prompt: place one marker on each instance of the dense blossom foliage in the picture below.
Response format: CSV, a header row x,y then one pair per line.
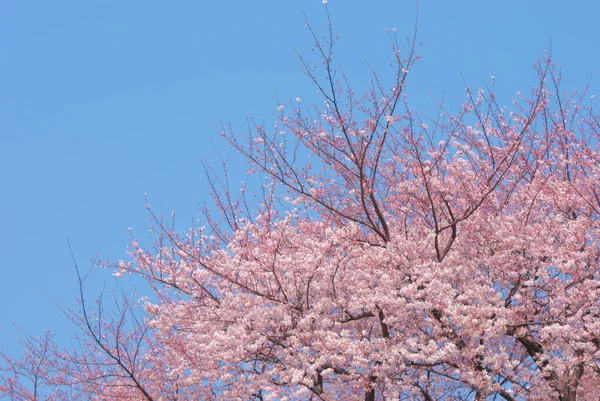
x,y
390,257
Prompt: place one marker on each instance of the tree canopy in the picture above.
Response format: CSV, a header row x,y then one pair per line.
x,y
388,255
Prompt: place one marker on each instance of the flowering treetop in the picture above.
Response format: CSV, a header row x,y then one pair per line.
x,y
390,256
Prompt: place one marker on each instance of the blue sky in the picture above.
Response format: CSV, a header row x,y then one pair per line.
x,y
101,102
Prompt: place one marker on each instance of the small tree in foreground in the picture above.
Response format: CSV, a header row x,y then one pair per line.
x,y
390,257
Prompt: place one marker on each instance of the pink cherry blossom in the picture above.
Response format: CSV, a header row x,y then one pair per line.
x,y
405,258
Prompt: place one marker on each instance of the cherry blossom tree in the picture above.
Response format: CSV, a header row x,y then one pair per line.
x,y
387,255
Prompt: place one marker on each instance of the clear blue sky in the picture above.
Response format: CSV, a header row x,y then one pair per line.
x,y
101,102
